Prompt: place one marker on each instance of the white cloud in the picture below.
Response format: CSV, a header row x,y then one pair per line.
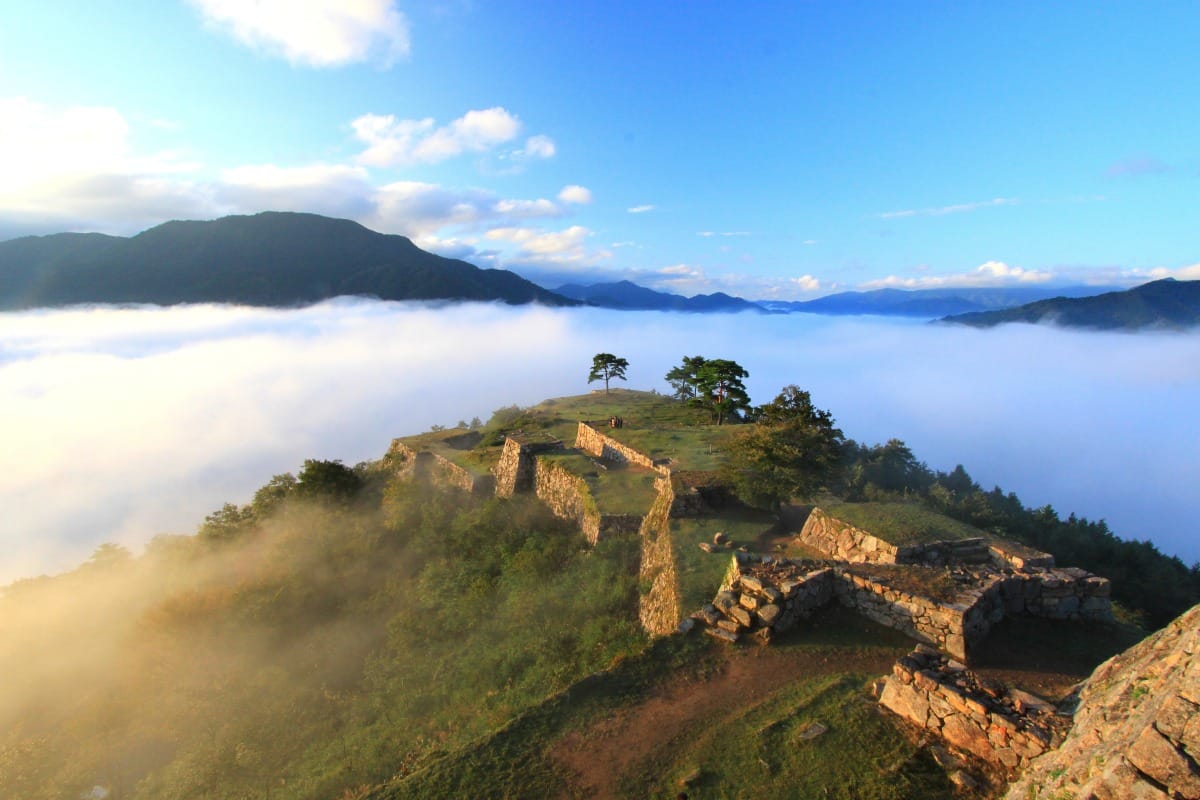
x,y
1189,273
76,166
575,194
317,33
710,234
991,273
943,210
806,283
333,189
563,246
540,254
422,209
640,209
398,142
1019,406
538,147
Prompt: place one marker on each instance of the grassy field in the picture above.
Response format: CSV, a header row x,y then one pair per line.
x,y
691,715
901,523
653,424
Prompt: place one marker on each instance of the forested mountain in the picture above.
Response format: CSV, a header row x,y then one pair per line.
x,y
925,302
1167,303
629,296
268,259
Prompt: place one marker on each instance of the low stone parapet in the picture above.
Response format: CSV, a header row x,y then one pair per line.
x,y
839,539
843,541
594,443
952,626
954,621
1005,727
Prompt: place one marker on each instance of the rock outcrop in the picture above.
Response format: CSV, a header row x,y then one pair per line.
x,y
1136,732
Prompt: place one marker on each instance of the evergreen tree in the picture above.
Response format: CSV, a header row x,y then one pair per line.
x,y
607,366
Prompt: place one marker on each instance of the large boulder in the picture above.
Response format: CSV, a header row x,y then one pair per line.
x,y
1136,732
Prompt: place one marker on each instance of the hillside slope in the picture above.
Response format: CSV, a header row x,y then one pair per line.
x,y
269,259
1167,303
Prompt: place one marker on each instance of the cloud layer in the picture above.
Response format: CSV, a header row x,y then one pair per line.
x,y
315,33
123,423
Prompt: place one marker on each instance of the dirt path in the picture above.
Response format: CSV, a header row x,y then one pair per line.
x,y
600,755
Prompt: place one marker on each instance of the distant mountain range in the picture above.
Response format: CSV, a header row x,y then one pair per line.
x,y
928,303
290,259
626,295
269,259
1166,303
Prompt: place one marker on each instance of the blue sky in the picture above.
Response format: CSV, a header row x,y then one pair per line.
x,y
771,150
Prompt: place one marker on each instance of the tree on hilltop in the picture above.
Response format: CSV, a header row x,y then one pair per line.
x,y
791,450
719,386
607,366
683,378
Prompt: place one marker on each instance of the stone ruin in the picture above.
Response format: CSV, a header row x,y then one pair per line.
x,y
1002,726
945,595
955,617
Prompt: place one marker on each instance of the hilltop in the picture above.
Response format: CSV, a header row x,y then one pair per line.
x,y
268,259
503,610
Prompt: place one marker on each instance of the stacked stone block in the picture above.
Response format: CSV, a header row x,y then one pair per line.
x,y
595,443
760,598
1005,727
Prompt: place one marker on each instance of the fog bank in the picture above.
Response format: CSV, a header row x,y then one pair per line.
x,y
120,423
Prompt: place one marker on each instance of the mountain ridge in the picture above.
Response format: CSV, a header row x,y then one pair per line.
x,y
1166,303
269,259
629,296
926,302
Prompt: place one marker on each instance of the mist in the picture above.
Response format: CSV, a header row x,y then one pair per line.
x,y
122,423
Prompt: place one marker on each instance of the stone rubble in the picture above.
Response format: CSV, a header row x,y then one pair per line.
x,y
1005,727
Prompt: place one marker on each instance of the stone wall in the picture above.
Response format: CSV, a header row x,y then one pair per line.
x,y
982,598
1018,556
516,469
1005,727
594,443
566,495
760,598
442,470
951,627
1067,593
426,465
841,540
658,586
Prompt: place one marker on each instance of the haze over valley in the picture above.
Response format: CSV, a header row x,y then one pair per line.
x,y
122,423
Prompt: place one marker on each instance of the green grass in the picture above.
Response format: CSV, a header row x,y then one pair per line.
x,y
513,762
615,490
758,751
654,424
699,573
690,448
862,755
901,523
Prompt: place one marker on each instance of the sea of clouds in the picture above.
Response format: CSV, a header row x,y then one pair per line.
x,y
120,423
